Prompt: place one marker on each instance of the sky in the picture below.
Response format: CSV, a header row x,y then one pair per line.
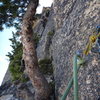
x,y
4,48
5,43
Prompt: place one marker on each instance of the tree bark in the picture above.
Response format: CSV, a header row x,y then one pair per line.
x,y
42,90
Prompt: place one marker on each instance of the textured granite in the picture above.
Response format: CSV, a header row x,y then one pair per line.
x,y
7,77
75,21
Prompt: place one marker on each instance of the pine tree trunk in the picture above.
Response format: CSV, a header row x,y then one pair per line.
x,y
42,90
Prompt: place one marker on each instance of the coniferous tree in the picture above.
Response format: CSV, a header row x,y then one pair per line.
x,y
12,12
15,57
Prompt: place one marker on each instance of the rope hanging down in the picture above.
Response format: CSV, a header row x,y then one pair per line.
x,y
78,61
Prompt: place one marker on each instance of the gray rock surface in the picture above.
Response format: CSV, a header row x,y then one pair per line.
x,y
43,47
17,91
7,77
8,97
75,21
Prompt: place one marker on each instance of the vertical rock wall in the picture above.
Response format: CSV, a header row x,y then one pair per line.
x,y
45,39
75,21
7,77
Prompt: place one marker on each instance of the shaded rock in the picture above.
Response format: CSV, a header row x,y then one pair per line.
x,y
21,91
8,97
42,50
25,91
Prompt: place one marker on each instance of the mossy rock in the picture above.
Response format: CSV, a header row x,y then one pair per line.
x,y
51,33
36,39
46,66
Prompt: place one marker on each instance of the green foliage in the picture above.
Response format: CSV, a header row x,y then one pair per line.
x,y
15,72
51,33
38,16
47,13
15,57
52,84
24,79
11,12
36,39
16,46
15,64
46,66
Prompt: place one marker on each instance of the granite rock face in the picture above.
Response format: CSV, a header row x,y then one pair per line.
x,y
75,21
14,91
63,31
43,31
25,91
8,97
7,77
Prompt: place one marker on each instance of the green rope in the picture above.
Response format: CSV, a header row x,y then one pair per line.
x,y
69,87
80,62
77,62
67,90
75,78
